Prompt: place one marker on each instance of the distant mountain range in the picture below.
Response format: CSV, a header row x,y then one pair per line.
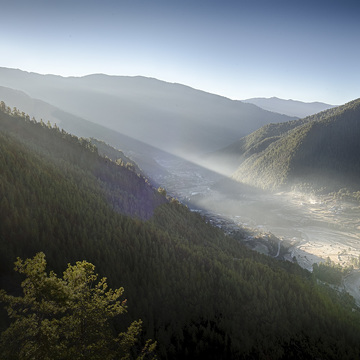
x,y
145,117
321,151
289,107
171,117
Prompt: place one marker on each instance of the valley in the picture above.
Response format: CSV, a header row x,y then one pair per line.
x,y
308,229
180,180
80,198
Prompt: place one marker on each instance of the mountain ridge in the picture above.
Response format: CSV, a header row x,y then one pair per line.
x,y
174,117
137,151
320,150
290,107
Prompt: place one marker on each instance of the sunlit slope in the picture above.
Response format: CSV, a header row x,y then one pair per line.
x,y
200,294
320,150
172,117
234,154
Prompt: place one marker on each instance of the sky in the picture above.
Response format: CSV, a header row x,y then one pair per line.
x,y
295,49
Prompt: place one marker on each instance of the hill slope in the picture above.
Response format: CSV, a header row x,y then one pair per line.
x,y
200,294
172,117
138,151
320,150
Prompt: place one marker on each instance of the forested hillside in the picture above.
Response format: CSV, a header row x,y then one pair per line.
x,y
199,293
233,155
319,152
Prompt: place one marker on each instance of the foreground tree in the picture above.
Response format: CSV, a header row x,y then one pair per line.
x,y
66,318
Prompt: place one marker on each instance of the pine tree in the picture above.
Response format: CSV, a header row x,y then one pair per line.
x,y
66,318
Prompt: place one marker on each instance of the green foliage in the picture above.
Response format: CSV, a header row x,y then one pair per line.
x,y
330,272
162,191
199,293
115,155
320,151
78,157
65,318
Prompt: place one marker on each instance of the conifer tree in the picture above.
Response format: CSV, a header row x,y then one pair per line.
x,y
66,318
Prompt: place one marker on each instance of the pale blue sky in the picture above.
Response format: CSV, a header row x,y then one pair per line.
x,y
303,50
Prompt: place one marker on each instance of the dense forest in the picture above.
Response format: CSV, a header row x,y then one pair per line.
x,y
199,293
318,152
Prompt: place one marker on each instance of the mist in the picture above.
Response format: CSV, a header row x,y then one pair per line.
x,y
171,117
205,150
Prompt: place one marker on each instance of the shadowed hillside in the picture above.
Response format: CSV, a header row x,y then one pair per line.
x,y
200,294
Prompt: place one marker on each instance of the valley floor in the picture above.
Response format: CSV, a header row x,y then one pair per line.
x,y
325,227
310,229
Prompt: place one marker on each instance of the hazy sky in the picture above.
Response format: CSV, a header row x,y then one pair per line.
x,y
303,50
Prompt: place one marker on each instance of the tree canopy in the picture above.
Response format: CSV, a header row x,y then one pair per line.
x,y
66,318
200,294
319,152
